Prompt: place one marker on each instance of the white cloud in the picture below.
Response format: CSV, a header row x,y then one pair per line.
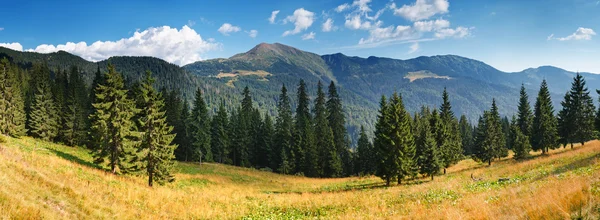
x,y
302,20
421,9
1,28
309,36
181,47
227,28
414,47
252,33
273,16
355,23
191,23
363,5
428,26
459,32
398,33
580,34
327,25
12,46
342,7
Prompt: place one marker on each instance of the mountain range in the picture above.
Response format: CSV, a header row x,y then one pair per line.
x,y
265,68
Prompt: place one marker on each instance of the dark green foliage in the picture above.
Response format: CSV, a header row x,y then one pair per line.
x,y
219,140
199,131
466,133
156,153
365,163
524,114
113,134
12,105
264,144
489,138
330,163
576,119
544,127
280,155
75,120
428,154
448,136
44,117
337,122
305,152
519,141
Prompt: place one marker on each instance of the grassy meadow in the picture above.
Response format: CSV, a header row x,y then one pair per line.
x,y
41,180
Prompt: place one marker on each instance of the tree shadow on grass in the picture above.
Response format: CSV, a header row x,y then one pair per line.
x,y
334,189
75,159
571,166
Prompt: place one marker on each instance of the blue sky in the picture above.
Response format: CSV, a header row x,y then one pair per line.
x,y
510,35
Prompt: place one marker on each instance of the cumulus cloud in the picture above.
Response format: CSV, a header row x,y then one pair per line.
x,y
413,48
398,33
273,16
1,28
355,23
580,34
252,33
181,46
12,46
342,7
302,20
327,25
421,9
459,32
228,28
309,36
428,26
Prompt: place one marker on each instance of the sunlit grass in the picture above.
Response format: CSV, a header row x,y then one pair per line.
x,y
51,181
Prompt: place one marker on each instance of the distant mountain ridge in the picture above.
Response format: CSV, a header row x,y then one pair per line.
x,y
265,68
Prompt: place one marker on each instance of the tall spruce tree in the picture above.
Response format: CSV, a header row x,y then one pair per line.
x,y
219,140
520,142
113,134
364,161
451,151
75,121
306,157
200,130
489,139
402,145
382,142
265,142
337,122
12,105
524,115
429,157
576,119
544,126
44,118
280,156
156,149
330,163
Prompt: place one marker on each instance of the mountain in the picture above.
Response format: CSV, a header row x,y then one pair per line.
x,y
265,68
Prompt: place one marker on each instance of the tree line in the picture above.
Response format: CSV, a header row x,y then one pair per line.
x,y
431,141
133,128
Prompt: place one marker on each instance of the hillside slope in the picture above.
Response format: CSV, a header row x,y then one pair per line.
x,y
40,180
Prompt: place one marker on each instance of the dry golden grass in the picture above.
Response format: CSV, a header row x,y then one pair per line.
x,y
49,181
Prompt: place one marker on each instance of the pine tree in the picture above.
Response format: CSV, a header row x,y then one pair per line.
x,y
576,119
520,142
75,122
244,132
490,141
450,139
219,140
12,112
365,165
337,122
255,132
524,115
157,152
429,158
200,130
382,142
544,131
265,143
306,157
330,164
280,156
183,137
466,133
44,118
402,145
112,126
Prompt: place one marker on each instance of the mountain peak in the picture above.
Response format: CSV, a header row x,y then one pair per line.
x,y
266,50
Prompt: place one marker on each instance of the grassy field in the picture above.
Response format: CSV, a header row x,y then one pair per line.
x,y
40,180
